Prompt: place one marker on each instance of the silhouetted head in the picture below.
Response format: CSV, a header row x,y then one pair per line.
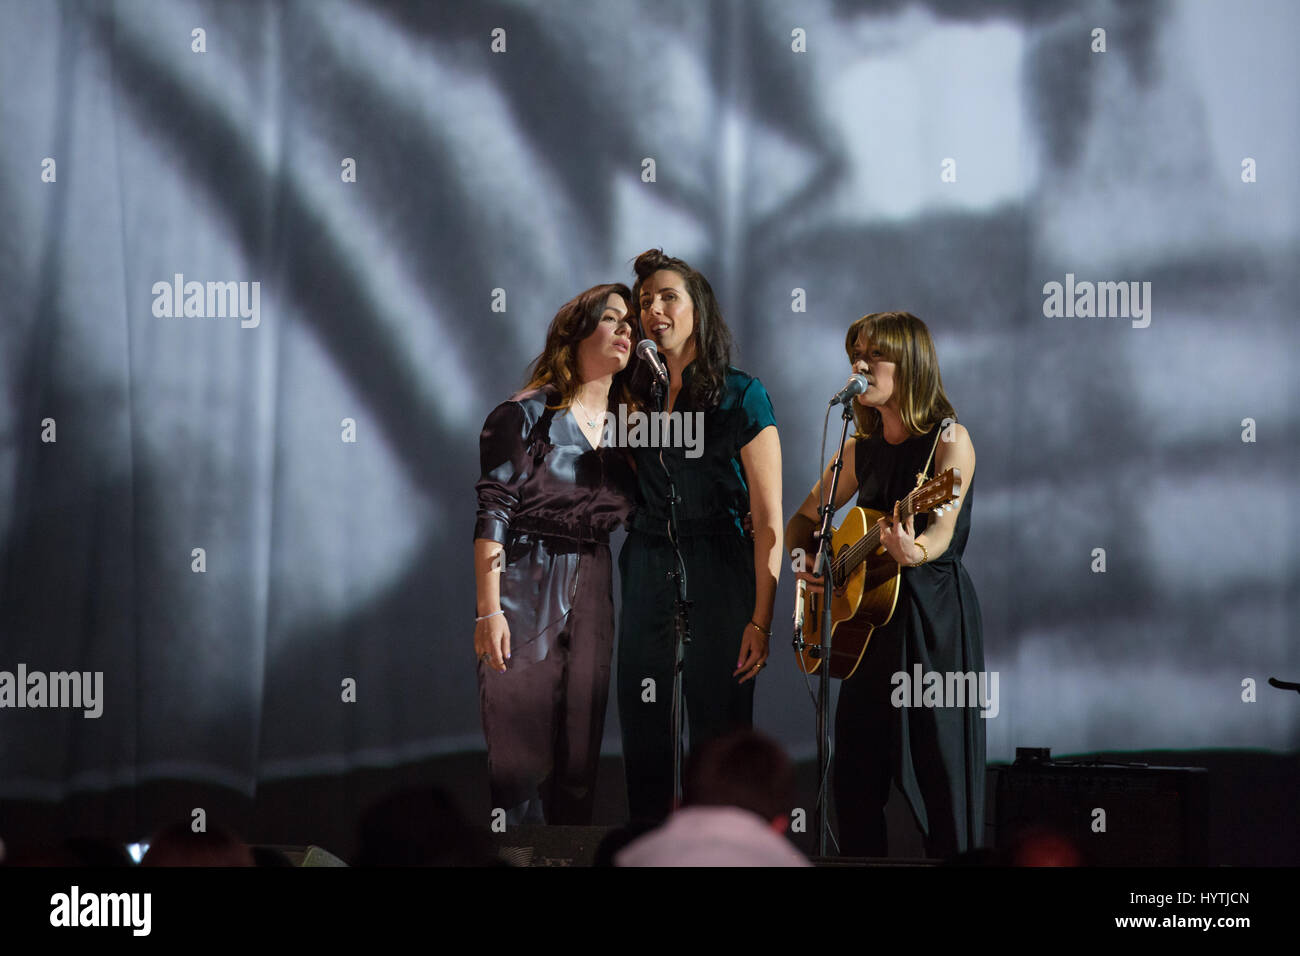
x,y
743,769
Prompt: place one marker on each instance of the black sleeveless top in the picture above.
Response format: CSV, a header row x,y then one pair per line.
x,y
937,626
887,473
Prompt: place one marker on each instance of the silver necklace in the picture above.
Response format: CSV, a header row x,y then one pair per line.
x,y
590,421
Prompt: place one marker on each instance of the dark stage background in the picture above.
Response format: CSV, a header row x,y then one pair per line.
x,y
949,158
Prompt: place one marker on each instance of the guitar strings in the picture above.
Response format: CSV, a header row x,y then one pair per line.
x,y
856,552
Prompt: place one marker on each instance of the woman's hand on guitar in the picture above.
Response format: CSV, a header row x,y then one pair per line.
x,y
808,559
897,537
813,581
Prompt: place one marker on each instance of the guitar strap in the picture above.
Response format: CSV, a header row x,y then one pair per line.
x,y
922,475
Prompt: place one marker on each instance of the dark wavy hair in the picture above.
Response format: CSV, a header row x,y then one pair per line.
x,y
711,335
904,340
557,366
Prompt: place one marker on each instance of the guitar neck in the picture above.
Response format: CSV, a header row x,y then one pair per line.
x,y
937,493
852,556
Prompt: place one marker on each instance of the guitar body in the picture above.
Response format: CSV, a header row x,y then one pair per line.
x,y
866,578
864,602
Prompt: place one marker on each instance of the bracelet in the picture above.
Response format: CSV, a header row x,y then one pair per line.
x,y
767,632
486,616
925,555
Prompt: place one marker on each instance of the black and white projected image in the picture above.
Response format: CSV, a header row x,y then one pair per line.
x,y
267,267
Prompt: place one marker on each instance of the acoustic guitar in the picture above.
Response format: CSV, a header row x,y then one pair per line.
x,y
865,579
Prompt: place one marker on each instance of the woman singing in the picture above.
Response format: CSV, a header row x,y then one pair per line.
x,y
549,495
731,573
906,430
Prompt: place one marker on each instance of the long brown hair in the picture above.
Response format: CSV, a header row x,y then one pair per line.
x,y
903,339
712,337
557,366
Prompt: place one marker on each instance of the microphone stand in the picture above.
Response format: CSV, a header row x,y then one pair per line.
x,y
823,651
681,608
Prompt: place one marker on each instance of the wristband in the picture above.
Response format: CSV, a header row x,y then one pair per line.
x,y
486,616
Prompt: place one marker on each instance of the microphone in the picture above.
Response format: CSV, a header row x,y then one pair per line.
x,y
648,353
857,384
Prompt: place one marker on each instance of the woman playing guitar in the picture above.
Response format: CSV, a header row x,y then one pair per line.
x,y
906,432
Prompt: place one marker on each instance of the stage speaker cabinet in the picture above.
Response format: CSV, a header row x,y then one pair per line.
x,y
1116,814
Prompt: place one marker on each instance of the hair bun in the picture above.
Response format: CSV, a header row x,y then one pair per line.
x,y
651,261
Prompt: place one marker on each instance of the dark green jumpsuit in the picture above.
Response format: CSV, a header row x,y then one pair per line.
x,y
719,558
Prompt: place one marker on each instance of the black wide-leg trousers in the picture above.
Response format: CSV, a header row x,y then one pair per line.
x,y
720,584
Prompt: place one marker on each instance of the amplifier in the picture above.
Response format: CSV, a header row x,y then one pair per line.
x,y
1115,814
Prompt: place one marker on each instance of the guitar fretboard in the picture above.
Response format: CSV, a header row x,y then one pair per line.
x,y
847,561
